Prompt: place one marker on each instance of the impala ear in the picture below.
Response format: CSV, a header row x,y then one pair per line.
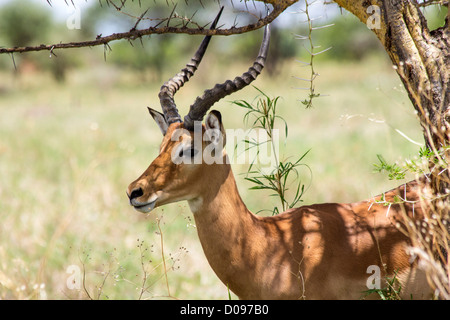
x,y
214,127
159,119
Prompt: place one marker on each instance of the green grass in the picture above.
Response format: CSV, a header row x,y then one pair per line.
x,y
68,152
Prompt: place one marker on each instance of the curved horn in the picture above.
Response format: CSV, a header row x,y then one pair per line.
x,y
169,88
201,105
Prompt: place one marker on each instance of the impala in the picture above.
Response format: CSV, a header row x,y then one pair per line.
x,y
321,251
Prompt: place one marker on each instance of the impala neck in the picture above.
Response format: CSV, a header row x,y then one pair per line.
x,y
219,182
219,201
223,222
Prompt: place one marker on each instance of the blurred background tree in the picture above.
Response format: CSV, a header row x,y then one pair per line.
x,y
24,22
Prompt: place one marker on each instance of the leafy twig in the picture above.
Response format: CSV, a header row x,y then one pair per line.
x,y
308,102
265,115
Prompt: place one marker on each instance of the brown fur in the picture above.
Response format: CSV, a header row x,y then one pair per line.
x,y
320,251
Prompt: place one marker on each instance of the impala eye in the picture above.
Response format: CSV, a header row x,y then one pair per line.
x,y
190,152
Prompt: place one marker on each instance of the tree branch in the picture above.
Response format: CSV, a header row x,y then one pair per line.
x,y
278,8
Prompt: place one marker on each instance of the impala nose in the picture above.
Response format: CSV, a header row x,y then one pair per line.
x,y
136,193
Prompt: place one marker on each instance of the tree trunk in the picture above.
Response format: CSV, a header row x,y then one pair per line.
x,y
422,60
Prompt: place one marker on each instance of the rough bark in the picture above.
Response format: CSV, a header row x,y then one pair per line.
x,y
422,60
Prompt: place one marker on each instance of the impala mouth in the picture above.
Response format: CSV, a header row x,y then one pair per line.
x,y
144,207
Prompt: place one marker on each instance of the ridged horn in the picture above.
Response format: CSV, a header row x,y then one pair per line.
x,y
202,104
169,88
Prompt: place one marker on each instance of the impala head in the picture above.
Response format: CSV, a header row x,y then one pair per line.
x,y
181,169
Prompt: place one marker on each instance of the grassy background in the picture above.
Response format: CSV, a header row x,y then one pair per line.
x,y
69,150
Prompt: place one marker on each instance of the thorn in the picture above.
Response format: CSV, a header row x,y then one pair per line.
x,y
14,62
105,47
52,53
159,23
171,14
139,20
